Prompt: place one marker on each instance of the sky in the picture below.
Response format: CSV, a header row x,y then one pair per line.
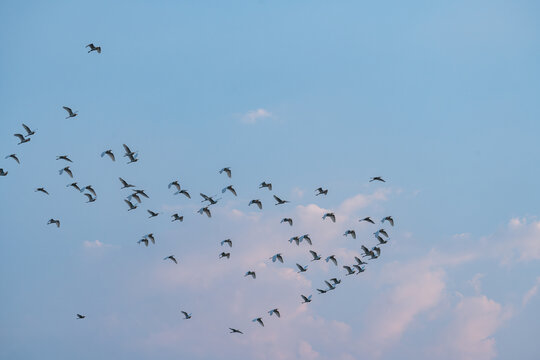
x,y
438,98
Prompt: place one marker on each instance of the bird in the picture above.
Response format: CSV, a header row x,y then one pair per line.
x,y
359,261
64,157
227,171
288,220
14,157
367,252
350,271
28,131
210,199
90,189
144,241
125,183
331,216
130,204
53,221
377,178
67,170
256,202
259,320
307,238
251,273
381,231
151,237
381,240
177,217
235,331
128,151
175,184
183,192
141,192
75,186
277,257
134,196
42,190
132,158
227,241
301,268
306,299
108,153
172,258
330,286
321,191
335,281
79,316
321,291
94,48
230,188
70,112
264,184
274,311
152,213
2,172
377,250
90,198
225,254
331,258
205,210
295,239
350,232
367,219
359,268
186,315
280,201
389,219
315,255
21,138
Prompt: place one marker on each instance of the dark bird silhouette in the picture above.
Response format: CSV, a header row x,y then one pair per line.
x,y
70,112
321,291
177,217
256,202
210,199
134,196
321,191
307,238
151,237
259,320
109,153
277,257
359,268
42,190
377,178
75,186
225,254
79,316
251,273
205,210
296,239
3,173
132,158
350,271
335,281
331,216
14,157
305,299
265,185
152,213
280,201
64,157
172,258
315,255
275,311
301,268
367,219
142,193
127,151
350,232
186,315
227,171
94,48
381,239
227,241
288,220
331,258
90,198
67,171
175,184
53,221
381,231
359,261
183,192
90,189
233,331
230,188
125,184
28,131
21,138
330,286
130,204
389,219
143,241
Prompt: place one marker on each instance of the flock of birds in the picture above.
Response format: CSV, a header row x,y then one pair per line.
x,y
134,200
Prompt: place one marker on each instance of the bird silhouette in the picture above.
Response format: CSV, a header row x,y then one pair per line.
x,y
29,132
233,331
125,184
90,189
305,299
2,172
256,202
331,258
230,188
67,170
258,320
265,185
350,271
94,48
350,232
225,254
389,219
186,315
175,184
70,112
75,186
172,258
227,241
183,192
152,213
90,198
79,316
288,220
277,257
274,311
321,191
64,157
315,255
130,204
301,268
280,201
14,157
331,216
307,238
42,190
227,171
143,241
367,219
177,217
21,138
251,273
109,153
53,221
377,178
206,211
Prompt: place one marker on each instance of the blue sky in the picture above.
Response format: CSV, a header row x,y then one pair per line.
x,y
438,98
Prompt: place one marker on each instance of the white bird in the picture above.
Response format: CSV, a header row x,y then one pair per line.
x,y
321,191
94,48
172,258
29,132
230,188
277,257
301,268
53,221
307,238
288,220
280,201
227,241
350,232
130,204
389,219
64,157
251,273
264,184
70,112
67,170
177,217
152,213
350,271
256,202
175,184
331,258
331,216
205,210
186,315
14,157
367,219
21,138
275,311
108,153
259,320
227,171
377,178
315,255
306,299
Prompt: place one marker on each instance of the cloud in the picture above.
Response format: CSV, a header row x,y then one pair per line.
x,y
94,244
531,292
520,241
251,117
476,283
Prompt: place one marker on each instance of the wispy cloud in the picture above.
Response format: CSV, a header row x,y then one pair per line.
x,y
252,116
95,244
531,292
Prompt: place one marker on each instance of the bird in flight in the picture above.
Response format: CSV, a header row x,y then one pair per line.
x,y
277,257
205,210
227,171
381,231
307,238
134,196
315,255
350,232
331,216
141,192
172,258
175,184
256,202
264,184
75,186
296,239
42,190
67,171
3,173
389,219
321,291
367,219
90,198
359,261
301,268
321,191
210,199
288,220
53,221
359,268
29,132
183,192
377,178
280,201
225,254
381,239
230,188
186,315
177,217
14,157
335,281
251,273
70,112
94,48
227,241
109,153
275,311
125,183
235,331
152,213
151,237
331,258
79,316
143,241
259,320
350,271
89,188
130,204
64,157
21,138
305,299
330,286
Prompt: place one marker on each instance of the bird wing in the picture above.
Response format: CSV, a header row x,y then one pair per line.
x,y
89,197
233,191
313,253
20,136
28,131
333,260
299,267
68,110
259,204
278,199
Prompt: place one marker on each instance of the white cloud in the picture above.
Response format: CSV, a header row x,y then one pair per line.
x,y
476,283
251,117
531,292
94,244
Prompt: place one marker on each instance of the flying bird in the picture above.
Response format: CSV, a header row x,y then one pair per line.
x,y
275,311
305,299
295,239
183,192
350,271
186,315
367,219
14,157
90,189
230,188
42,190
381,231
301,268
280,201
307,238
151,237
335,281
90,198
109,153
70,112
389,219
152,214
259,320
125,183
381,239
28,131
64,157
331,258
134,196
205,210
359,268
210,199
330,286
175,184
331,216
288,220
350,232
225,254
377,178
53,221
321,191
321,291
79,316
251,273
227,241
315,255
256,202
359,261
3,173
128,151
67,170
235,331
172,258
177,217
21,138
277,257
141,192
144,241
75,186
265,185
94,48
227,171
130,204
132,158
